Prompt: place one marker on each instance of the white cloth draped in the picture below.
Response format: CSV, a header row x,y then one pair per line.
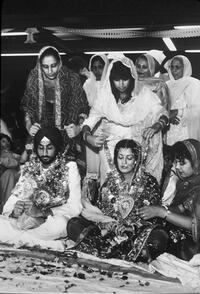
x,y
128,120
185,96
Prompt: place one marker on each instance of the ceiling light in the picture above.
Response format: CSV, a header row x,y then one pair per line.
x,y
123,51
187,27
5,34
169,44
24,54
193,51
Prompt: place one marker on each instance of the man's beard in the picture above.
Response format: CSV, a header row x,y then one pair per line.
x,y
46,160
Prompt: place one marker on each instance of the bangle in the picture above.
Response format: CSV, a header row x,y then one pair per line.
x,y
167,212
85,134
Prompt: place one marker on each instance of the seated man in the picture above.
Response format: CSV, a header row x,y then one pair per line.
x,y
46,196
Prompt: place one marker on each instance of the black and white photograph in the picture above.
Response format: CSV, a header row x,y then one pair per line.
x,y
100,146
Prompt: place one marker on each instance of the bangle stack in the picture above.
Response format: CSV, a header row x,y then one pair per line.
x,y
163,121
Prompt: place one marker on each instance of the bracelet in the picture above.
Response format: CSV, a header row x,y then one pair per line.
x,y
163,120
85,134
167,212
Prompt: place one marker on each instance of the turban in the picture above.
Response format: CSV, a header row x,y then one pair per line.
x,y
53,134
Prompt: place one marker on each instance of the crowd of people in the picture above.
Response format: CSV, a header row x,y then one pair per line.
x,y
111,162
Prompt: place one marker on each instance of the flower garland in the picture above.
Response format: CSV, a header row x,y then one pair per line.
x,y
119,198
50,185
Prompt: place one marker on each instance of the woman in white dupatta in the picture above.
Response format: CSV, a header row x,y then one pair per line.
x,y
98,66
184,92
127,114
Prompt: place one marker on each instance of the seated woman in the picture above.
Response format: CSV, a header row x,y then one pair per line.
x,y
119,231
126,114
46,196
183,214
9,168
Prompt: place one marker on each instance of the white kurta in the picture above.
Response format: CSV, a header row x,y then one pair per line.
x,y
53,228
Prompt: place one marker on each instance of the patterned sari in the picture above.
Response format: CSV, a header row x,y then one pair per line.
x,y
68,97
118,204
184,243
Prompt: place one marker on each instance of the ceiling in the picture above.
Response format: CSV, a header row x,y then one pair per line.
x,y
77,26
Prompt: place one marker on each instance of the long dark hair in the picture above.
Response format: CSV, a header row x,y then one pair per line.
x,y
120,71
181,152
126,143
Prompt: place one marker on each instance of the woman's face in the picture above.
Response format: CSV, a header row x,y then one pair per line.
x,y
121,85
5,144
177,68
142,68
50,67
97,69
184,168
125,160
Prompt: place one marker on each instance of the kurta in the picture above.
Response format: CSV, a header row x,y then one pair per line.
x,y
58,188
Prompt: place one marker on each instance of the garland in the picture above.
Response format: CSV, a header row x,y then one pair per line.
x,y
118,192
50,186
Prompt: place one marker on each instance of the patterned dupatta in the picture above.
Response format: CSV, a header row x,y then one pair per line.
x,y
41,102
187,187
121,191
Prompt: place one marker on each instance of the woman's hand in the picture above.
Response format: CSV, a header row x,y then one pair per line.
x,y
150,132
96,141
18,209
173,118
34,129
72,130
150,211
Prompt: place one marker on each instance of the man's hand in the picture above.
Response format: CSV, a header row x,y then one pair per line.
x,y
18,209
31,210
72,130
34,129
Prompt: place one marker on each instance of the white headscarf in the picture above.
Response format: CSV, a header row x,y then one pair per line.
x,y
187,89
91,86
142,104
187,67
105,60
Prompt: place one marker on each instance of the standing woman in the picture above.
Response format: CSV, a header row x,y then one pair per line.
x,y
184,92
147,67
98,66
126,114
53,96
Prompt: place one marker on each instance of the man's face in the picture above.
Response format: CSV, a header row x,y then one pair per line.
x,y
46,152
